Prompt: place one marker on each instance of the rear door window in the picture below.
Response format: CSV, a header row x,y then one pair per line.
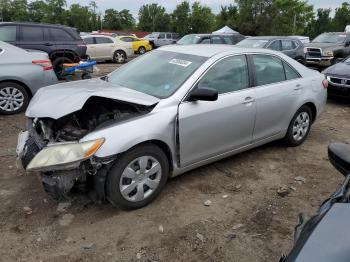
x,y
216,40
268,69
103,40
89,40
168,36
32,34
161,36
8,33
60,35
228,40
275,45
288,45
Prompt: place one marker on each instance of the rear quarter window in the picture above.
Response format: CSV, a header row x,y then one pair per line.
x,y
58,34
8,33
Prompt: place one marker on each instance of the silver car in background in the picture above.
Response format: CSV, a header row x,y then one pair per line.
x,y
22,73
167,112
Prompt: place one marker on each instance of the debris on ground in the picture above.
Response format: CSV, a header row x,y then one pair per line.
x,y
66,220
230,235
283,191
62,207
161,229
237,226
207,203
27,210
138,255
300,179
88,246
224,196
200,237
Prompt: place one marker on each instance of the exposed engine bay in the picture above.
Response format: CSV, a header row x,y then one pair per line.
x,y
96,113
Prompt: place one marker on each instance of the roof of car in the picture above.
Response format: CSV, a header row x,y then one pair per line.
x,y
270,37
208,50
36,24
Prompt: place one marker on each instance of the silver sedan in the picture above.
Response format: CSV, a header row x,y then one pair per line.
x,y
22,73
172,110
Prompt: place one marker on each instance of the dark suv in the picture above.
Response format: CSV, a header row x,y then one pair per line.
x,y
63,44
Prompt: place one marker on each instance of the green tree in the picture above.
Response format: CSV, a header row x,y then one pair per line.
x,y
127,21
227,16
18,10
37,11
202,19
322,23
181,18
56,13
152,17
111,19
342,17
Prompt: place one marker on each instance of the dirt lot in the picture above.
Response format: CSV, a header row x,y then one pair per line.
x,y
177,226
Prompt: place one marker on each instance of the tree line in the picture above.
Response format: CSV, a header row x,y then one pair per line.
x,y
249,17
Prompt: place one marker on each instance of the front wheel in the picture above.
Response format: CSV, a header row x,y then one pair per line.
x,y
137,177
299,127
119,57
14,98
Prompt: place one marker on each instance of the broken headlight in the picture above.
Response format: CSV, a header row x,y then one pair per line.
x,y
65,153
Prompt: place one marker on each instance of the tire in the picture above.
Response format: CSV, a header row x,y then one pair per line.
x,y
119,177
142,50
14,98
58,66
299,127
119,57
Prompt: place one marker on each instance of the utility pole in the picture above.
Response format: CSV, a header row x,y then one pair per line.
x,y
294,23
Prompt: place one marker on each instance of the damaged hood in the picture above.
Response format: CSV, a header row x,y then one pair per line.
x,y
59,100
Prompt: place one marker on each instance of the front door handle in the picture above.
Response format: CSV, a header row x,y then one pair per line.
x,y
48,44
248,100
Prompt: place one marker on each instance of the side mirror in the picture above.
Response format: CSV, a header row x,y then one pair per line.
x,y
203,94
339,156
347,43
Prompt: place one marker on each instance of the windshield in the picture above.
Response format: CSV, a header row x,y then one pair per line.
x,y
257,43
330,38
158,73
188,40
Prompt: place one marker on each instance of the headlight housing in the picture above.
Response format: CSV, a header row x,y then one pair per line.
x,y
65,154
328,53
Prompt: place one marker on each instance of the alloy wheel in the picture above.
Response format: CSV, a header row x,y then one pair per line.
x,y
142,50
120,57
11,99
301,126
140,178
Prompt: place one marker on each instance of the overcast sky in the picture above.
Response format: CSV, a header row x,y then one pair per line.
x,y
134,5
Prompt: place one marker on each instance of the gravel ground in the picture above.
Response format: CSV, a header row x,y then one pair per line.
x,y
246,220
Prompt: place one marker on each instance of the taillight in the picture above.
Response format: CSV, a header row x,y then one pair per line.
x,y
45,64
325,83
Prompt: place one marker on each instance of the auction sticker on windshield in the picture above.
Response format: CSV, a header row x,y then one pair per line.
x,y
180,62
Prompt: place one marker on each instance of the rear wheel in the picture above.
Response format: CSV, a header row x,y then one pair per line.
x,y
137,177
14,98
119,57
142,50
58,65
299,127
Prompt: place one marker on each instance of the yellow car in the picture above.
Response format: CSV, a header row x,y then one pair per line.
x,y
140,46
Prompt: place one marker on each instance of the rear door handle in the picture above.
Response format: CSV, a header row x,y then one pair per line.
x,y
298,87
48,44
248,100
